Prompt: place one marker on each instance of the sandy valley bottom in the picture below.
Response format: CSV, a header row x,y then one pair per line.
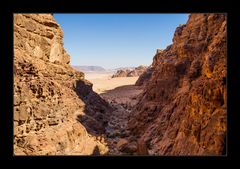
x,y
122,95
102,82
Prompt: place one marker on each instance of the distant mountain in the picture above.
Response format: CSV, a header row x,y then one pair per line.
x,y
137,71
89,68
124,68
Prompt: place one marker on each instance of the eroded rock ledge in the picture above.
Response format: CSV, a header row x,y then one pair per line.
x,y
55,110
182,110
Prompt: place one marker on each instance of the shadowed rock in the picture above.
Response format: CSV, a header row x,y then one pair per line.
x,y
49,95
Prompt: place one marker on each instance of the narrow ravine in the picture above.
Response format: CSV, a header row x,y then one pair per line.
x,y
179,109
122,99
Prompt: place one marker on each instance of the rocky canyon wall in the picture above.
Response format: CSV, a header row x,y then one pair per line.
x,y
53,104
182,110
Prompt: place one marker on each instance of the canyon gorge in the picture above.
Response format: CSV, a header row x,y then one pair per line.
x,y
176,107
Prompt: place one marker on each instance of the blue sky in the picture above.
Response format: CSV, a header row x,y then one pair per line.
x,y
117,40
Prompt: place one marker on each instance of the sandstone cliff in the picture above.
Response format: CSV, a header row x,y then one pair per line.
x,y
55,109
182,110
130,73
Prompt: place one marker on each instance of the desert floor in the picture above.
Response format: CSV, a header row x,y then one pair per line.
x,y
102,82
122,95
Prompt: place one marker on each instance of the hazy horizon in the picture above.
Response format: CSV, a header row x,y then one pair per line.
x,y
117,40
110,68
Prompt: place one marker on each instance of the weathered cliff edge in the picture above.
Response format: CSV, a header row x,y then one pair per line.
x,y
182,110
55,110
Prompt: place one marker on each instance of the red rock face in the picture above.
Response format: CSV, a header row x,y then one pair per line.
x,y
144,77
55,110
182,110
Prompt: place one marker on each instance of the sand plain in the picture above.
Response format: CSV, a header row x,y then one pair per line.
x,y
103,82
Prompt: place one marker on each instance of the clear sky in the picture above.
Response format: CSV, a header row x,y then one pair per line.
x,y
117,40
